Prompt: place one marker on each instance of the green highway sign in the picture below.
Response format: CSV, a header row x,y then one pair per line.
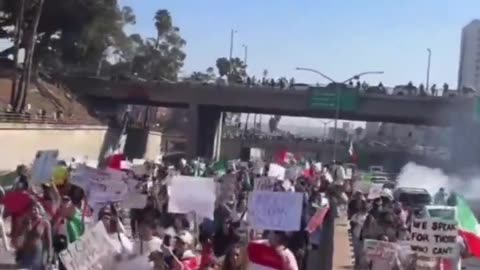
x,y
323,98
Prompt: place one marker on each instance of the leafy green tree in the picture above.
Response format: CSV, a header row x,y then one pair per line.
x,y
238,70
235,69
223,66
210,73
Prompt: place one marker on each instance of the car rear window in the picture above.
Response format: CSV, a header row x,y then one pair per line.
x,y
447,214
415,198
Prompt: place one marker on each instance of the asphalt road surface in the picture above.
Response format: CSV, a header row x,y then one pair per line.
x,y
343,251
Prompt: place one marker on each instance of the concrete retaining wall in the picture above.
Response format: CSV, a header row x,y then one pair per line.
x,y
20,142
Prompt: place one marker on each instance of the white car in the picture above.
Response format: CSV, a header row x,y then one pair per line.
x,y
441,211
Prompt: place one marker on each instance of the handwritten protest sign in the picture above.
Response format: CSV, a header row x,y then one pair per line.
x,y
264,183
279,211
192,194
434,237
380,249
84,253
43,165
101,185
276,171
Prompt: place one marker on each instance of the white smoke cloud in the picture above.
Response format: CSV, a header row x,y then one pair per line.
x,y
431,179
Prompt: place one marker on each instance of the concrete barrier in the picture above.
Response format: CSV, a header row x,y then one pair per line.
x,y
19,142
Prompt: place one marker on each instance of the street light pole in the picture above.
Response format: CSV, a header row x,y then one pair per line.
x,y
245,55
232,34
428,68
338,90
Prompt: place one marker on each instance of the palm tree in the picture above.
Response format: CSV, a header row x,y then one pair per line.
x,y
163,24
29,51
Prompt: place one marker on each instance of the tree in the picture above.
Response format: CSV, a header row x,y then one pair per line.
x,y
20,99
163,24
210,73
70,33
234,69
238,70
223,66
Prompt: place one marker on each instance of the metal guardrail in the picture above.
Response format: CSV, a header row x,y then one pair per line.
x,y
49,119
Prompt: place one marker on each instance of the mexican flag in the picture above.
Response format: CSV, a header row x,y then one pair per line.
x,y
308,170
285,158
468,226
261,256
352,153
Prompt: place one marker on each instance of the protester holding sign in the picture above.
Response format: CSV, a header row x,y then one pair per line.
x,y
36,241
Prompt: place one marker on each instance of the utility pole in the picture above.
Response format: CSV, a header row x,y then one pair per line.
x,y
428,69
245,54
16,47
232,34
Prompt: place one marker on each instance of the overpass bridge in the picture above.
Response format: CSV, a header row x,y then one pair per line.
x,y
205,102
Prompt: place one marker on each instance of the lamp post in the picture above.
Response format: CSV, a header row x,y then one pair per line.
x,y
245,54
338,89
232,36
428,68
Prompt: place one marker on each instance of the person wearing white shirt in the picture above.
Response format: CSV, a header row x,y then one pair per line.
x,y
147,242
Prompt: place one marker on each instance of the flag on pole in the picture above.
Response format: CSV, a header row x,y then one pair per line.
x,y
352,153
285,158
468,226
119,147
115,155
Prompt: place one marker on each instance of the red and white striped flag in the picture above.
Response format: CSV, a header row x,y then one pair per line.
x,y
263,257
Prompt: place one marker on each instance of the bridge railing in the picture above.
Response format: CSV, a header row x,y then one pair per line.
x,y
26,118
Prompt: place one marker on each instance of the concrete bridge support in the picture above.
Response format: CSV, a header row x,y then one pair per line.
x,y
205,129
465,146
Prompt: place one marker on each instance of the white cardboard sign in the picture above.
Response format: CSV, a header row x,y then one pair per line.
x,y
280,211
44,165
276,171
434,238
84,253
192,194
101,185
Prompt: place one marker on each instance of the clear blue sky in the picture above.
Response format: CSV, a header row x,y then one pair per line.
x,y
340,38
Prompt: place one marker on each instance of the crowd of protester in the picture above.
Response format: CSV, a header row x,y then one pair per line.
x,y
58,215
386,219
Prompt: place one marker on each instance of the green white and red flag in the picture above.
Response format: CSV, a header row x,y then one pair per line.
x,y
468,227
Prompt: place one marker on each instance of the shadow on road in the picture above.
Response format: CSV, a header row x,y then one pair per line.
x,y
8,266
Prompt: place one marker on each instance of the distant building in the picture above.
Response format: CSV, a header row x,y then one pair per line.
x,y
469,69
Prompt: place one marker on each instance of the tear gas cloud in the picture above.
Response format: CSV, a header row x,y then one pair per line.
x,y
431,179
